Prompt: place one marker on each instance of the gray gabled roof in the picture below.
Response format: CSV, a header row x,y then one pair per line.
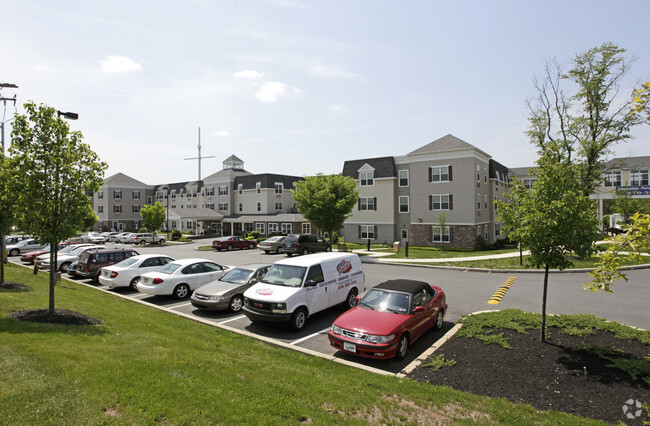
x,y
267,180
233,158
384,167
122,179
445,143
229,173
628,163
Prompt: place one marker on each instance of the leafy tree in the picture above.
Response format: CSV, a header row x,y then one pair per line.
x,y
153,216
630,245
581,128
553,218
7,203
54,170
326,201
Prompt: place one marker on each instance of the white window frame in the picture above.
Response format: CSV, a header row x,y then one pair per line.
x,y
223,190
240,189
438,174
367,178
286,228
209,191
368,231
367,203
240,207
441,234
639,177
260,227
117,194
259,206
612,179
279,188
223,207
306,228
400,178
400,205
273,227
278,206
441,203
258,187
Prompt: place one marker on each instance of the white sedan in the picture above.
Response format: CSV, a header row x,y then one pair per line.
x,y
24,246
181,277
127,272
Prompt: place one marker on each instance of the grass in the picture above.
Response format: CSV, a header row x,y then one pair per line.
x,y
513,263
147,366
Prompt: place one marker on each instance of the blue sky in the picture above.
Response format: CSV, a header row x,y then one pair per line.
x,y
299,87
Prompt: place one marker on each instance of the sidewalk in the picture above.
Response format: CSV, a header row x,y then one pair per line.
x,y
379,257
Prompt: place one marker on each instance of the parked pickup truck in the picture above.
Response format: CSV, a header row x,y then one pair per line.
x,y
146,238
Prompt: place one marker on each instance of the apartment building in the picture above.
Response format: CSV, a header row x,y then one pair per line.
x,y
441,194
230,201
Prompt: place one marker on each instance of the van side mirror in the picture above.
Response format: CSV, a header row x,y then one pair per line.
x,y
311,283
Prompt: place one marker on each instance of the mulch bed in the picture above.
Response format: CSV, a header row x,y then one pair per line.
x,y
12,285
61,316
548,376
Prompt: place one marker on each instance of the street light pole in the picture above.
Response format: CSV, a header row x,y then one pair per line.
x,y
2,123
166,188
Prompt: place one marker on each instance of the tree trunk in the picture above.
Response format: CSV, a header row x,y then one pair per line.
x,y
53,269
544,303
2,259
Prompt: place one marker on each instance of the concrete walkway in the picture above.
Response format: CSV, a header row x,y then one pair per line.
x,y
379,257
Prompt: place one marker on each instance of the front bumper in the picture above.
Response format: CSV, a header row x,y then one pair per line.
x,y
364,349
256,315
211,305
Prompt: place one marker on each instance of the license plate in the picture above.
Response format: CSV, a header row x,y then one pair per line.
x,y
350,347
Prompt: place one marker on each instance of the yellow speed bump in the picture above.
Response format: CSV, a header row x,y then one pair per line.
x,y
498,295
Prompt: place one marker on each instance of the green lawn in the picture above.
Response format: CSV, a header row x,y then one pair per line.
x,y
146,366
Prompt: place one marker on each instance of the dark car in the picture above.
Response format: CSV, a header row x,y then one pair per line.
x,y
304,243
92,261
233,242
389,318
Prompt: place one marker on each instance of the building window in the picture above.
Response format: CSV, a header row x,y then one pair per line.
x,y
306,228
638,177
117,195
209,206
273,227
485,201
240,207
100,195
240,189
367,178
149,200
440,202
528,183
209,191
441,234
367,232
117,208
478,201
612,179
173,192
279,187
404,204
286,228
223,190
367,203
403,178
259,227
136,209
223,206
258,187
278,206
497,228
259,206
478,172
440,174
100,209
136,195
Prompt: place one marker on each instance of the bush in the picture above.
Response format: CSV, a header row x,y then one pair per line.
x,y
176,235
253,235
480,244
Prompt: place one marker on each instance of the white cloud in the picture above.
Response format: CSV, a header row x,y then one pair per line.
x,y
271,91
249,74
117,63
222,134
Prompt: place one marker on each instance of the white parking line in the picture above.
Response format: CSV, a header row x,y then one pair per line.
x,y
180,306
233,319
310,336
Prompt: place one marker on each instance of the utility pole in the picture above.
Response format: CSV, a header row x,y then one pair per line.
x,y
4,100
199,157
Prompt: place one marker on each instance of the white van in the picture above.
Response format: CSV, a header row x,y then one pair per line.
x,y
293,289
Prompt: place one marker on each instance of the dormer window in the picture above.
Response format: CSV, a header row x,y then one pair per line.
x,y
367,178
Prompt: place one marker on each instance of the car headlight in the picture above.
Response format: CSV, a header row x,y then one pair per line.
x,y
216,298
279,308
336,329
380,339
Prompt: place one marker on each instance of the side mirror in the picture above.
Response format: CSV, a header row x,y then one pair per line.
x,y
418,309
358,299
311,283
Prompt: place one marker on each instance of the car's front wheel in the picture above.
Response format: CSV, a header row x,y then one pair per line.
x,y
299,319
181,291
229,248
351,300
279,250
65,266
143,242
440,320
14,252
134,283
251,246
402,347
236,303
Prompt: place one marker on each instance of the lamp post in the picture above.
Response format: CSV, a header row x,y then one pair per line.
x,y
166,189
2,123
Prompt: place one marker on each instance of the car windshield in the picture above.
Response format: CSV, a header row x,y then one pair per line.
x,y
169,268
237,276
67,249
286,275
78,250
386,301
126,262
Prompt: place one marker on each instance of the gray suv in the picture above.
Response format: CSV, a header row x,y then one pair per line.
x,y
304,243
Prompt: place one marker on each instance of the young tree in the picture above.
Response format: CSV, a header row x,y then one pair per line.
x,y
630,244
54,170
581,128
553,218
153,216
326,201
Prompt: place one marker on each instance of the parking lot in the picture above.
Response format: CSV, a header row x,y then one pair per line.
x,y
466,292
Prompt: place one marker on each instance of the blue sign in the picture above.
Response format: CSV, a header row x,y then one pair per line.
x,y
635,190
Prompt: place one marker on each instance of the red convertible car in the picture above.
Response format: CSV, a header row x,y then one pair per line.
x,y
390,317
229,243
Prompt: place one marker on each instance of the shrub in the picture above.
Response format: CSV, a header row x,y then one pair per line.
x,y
253,235
176,235
480,244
